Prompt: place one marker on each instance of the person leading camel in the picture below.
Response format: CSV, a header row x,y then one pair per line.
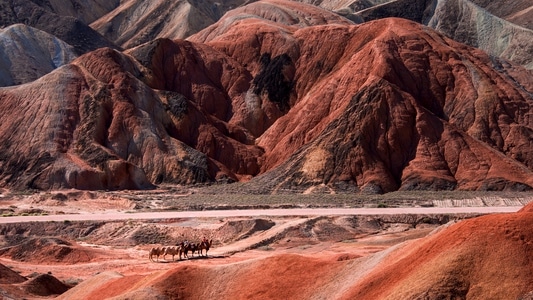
x,y
205,244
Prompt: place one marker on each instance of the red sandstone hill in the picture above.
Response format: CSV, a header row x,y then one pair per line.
x,y
500,28
9,276
377,107
86,125
50,250
382,105
15,286
482,258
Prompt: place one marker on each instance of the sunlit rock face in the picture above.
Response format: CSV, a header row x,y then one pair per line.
x,y
136,22
383,106
500,28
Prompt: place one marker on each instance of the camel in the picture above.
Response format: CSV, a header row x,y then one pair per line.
x,y
205,244
173,251
156,251
189,247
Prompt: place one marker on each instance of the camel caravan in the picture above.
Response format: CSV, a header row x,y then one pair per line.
x,y
181,249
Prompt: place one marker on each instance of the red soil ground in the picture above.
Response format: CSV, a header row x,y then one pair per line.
x,y
480,258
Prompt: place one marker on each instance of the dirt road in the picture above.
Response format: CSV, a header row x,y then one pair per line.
x,y
259,212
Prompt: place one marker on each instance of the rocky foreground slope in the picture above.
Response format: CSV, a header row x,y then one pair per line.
x,y
461,261
386,105
342,257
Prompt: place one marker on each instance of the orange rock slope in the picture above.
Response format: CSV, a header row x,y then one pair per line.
x,y
309,100
483,258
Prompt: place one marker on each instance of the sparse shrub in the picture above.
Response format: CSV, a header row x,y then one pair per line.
x,y
150,235
72,281
265,248
272,81
60,197
425,220
349,241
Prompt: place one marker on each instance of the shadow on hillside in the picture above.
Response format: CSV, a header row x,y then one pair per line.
x,y
192,258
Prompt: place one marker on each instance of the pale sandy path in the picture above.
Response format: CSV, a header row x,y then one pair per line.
x,y
259,212
252,241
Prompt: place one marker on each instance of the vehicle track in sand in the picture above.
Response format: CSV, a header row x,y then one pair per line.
x,y
259,212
